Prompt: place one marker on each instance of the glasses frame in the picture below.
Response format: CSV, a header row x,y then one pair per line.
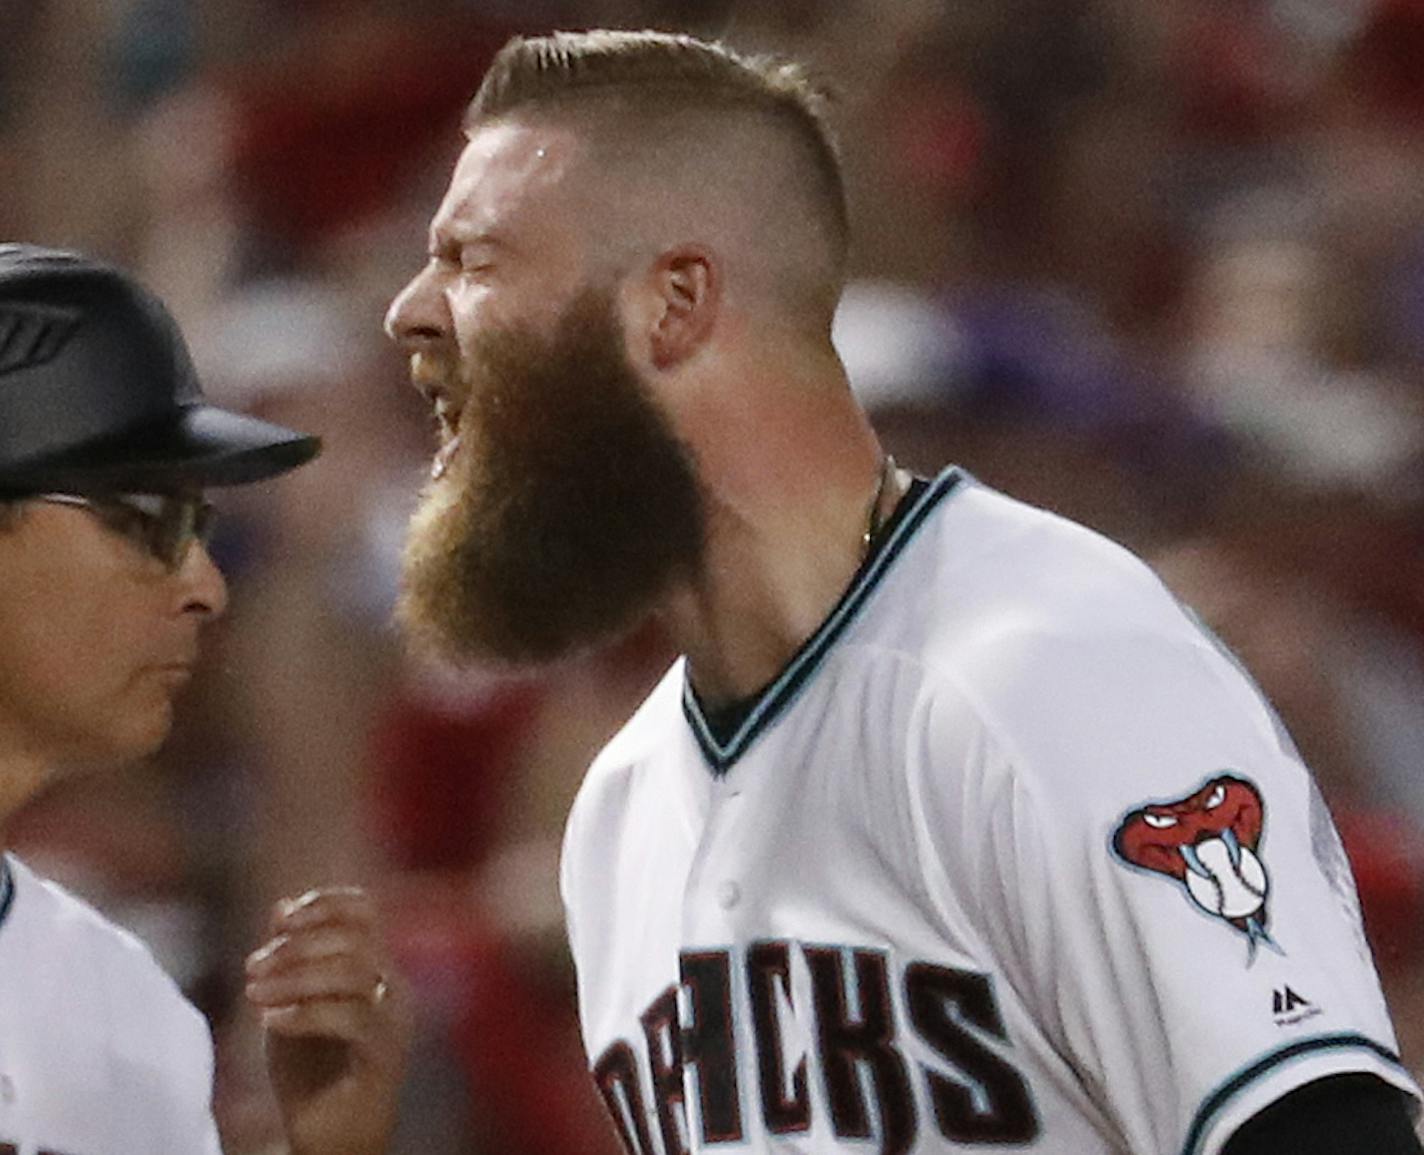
x,y
170,523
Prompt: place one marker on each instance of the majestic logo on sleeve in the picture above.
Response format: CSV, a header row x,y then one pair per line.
x,y
1207,842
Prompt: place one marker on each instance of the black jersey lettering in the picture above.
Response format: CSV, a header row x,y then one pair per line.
x,y
991,1103
665,1062
865,1039
616,1074
710,1046
854,1027
769,976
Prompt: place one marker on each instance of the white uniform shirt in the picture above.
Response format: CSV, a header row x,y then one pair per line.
x,y
1011,853
100,1054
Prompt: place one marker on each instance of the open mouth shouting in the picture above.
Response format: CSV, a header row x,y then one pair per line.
x,y
434,378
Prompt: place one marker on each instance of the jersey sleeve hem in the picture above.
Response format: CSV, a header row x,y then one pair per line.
x,y
1280,1071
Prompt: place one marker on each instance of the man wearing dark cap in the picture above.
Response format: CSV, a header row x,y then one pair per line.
x,y
106,447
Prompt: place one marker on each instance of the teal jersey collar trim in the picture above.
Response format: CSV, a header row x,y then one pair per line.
x,y
783,691
7,888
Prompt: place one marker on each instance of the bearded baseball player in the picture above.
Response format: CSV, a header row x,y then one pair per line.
x,y
951,831
106,445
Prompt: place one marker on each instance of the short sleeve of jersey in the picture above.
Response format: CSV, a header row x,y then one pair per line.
x,y
201,1122
172,1040
1157,879
193,1122
105,1051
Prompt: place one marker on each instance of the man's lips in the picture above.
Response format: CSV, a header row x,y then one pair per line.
x,y
431,374
175,674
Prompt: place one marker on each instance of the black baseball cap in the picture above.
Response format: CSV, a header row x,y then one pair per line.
x,y
98,391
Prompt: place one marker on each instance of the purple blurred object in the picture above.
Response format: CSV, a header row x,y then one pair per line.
x,y
1039,354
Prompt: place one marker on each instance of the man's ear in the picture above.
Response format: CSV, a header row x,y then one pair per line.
x,y
686,283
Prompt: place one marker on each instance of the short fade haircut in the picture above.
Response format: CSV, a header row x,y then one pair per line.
x,y
657,72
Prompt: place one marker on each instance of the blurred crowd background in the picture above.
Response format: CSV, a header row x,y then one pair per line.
x,y
1156,264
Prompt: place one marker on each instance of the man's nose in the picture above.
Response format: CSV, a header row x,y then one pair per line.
x,y
204,587
419,313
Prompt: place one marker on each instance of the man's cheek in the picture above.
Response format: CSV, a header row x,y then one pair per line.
x,y
471,309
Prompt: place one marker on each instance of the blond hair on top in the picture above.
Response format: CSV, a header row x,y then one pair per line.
x,y
666,73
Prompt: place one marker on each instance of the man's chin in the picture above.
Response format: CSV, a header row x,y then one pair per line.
x,y
434,636
146,739
135,739
452,609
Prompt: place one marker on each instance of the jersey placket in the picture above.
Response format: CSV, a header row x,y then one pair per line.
x,y
713,922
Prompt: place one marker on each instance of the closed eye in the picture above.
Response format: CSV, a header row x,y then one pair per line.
x,y
1159,821
446,256
475,265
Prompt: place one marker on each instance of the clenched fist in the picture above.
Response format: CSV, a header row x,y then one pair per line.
x,y
336,1022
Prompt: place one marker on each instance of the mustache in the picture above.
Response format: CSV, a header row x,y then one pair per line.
x,y
433,372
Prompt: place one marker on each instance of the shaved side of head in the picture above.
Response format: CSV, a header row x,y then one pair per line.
x,y
689,142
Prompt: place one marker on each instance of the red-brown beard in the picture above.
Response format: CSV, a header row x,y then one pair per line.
x,y
569,511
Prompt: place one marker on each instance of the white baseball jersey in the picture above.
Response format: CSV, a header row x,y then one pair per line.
x,y
99,1052
1012,854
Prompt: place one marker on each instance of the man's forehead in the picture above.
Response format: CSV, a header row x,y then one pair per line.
x,y
506,167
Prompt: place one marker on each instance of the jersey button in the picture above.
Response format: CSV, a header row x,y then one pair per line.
x,y
728,894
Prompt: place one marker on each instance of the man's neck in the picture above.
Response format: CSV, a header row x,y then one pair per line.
x,y
22,776
789,467
769,582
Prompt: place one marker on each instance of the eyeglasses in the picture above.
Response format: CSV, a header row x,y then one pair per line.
x,y
164,525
